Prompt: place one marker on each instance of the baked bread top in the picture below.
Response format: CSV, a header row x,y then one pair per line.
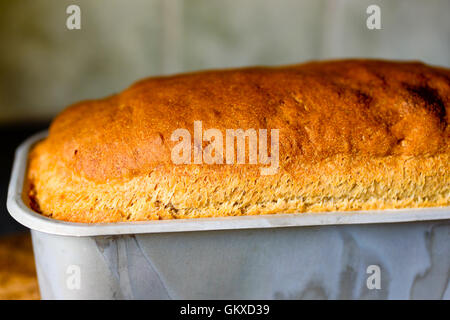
x,y
369,107
358,109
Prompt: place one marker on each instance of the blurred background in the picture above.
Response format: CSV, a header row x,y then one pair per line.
x,y
45,67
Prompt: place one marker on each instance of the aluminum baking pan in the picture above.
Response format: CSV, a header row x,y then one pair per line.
x,y
246,257
33,220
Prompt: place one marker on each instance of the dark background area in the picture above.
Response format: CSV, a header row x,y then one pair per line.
x,y
12,135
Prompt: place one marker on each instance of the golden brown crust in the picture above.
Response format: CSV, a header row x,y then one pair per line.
x,y
354,134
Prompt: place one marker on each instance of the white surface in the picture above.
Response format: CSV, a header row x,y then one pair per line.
x,y
35,221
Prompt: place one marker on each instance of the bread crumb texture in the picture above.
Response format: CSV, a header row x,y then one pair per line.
x,y
354,135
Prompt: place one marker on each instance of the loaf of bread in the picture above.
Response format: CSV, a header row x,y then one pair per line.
x,y
346,135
